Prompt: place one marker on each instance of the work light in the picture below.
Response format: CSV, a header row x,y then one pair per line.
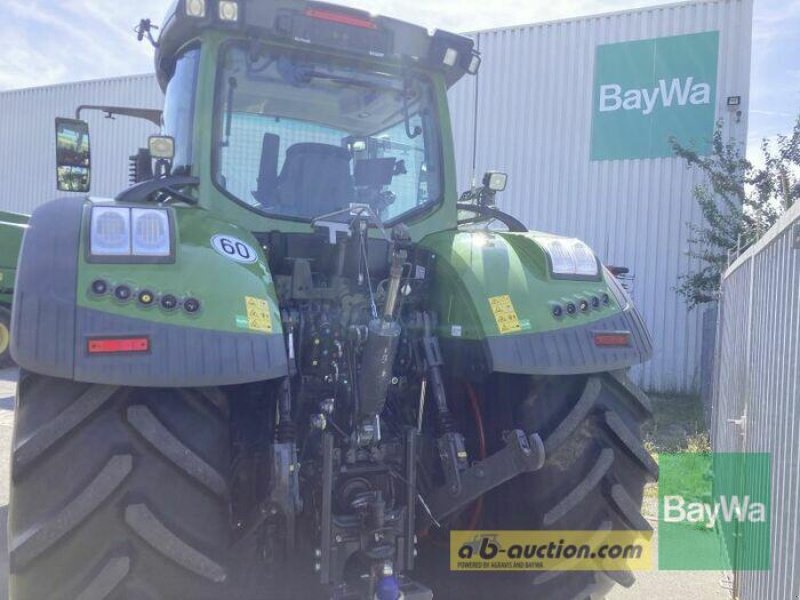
x,y
585,261
161,146
450,57
495,181
196,8
130,233
228,10
111,232
570,258
474,64
150,232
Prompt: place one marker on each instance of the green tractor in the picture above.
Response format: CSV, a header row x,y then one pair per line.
x,y
12,227
290,359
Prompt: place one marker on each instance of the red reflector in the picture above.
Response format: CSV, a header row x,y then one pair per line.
x,y
333,17
622,338
112,345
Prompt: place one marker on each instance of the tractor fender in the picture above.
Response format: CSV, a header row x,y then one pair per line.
x,y
495,297
234,335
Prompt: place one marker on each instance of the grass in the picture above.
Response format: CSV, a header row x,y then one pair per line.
x,y
677,426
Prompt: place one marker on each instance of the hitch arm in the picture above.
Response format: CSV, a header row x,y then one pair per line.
x,y
521,454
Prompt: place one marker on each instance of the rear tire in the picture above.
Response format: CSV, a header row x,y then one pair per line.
x,y
593,478
118,493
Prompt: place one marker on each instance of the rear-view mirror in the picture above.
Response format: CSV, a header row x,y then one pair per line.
x,y
73,156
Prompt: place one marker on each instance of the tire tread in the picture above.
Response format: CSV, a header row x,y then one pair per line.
x,y
26,547
142,419
30,448
101,586
147,526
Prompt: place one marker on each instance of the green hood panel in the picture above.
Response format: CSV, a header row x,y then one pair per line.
x,y
499,284
57,317
225,288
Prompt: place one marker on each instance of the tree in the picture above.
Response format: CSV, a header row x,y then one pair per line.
x,y
739,201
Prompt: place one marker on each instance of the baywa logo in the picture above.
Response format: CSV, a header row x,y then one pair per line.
x,y
714,511
678,92
728,510
648,92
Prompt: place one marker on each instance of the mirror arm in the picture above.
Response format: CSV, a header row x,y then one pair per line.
x,y
148,114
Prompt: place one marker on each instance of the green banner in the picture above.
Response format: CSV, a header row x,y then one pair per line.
x,y
649,91
714,512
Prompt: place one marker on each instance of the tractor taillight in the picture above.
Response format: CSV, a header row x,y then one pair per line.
x,y
611,339
118,345
342,19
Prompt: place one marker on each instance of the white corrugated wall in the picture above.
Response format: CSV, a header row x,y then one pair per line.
x,y
27,134
533,105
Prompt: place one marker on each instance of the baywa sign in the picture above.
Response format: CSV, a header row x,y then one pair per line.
x,y
647,92
715,512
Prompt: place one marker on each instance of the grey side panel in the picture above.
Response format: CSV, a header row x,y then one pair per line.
x,y
571,351
178,357
43,317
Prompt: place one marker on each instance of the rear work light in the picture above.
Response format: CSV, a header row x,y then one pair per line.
x,y
196,8
228,10
612,339
118,345
342,19
125,234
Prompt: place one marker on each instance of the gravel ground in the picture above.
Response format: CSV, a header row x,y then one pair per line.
x,y
654,585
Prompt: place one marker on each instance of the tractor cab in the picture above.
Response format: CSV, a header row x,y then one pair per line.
x,y
285,111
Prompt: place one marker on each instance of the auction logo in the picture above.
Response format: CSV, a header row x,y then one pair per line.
x,y
649,91
550,550
714,511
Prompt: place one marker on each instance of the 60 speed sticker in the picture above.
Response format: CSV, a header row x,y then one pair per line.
x,y
234,249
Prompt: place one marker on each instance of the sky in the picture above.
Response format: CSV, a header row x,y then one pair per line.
x,y
43,42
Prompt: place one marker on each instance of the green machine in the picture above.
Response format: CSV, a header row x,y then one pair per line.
x,y
291,359
12,227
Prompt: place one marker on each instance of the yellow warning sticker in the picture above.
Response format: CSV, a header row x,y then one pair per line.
x,y
258,316
504,314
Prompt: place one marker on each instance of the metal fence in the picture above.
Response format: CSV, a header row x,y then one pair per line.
x,y
757,394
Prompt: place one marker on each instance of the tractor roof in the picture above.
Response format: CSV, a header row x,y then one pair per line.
x,y
319,25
